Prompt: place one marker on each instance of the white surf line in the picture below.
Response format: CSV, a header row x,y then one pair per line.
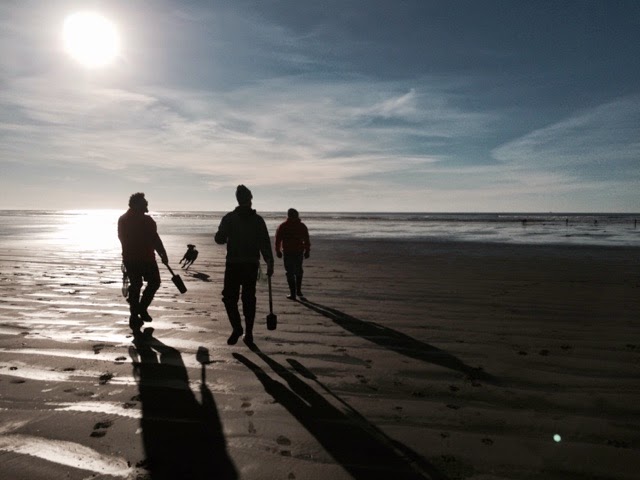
x,y
111,357
16,307
76,376
65,453
106,408
71,354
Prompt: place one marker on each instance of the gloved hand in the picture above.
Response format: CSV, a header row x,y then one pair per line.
x,y
279,254
269,269
306,254
165,259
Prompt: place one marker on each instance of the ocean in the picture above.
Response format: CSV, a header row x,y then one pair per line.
x,y
96,229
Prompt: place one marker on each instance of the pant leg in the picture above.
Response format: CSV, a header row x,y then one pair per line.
x,y
231,294
249,279
151,275
293,268
135,274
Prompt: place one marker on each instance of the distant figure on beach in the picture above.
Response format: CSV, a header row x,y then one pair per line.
x,y
246,236
139,237
189,257
292,242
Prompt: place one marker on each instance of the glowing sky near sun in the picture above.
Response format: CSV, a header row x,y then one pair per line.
x,y
399,106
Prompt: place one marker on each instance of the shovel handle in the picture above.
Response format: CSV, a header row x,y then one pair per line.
x,y
172,274
270,297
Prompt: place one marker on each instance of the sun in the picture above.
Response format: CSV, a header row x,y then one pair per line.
x,y
91,39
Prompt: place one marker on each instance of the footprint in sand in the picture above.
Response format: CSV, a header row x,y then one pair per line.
x,y
522,352
292,476
245,405
68,369
544,352
453,407
97,348
105,377
252,428
99,429
453,388
18,381
284,441
487,441
84,393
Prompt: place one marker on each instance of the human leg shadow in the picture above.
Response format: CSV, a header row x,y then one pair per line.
x,y
398,342
182,438
360,447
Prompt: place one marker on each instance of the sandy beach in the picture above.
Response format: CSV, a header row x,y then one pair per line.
x,y
408,360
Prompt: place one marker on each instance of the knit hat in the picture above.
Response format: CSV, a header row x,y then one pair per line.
x,y
243,194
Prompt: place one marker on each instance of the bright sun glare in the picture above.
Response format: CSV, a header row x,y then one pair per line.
x,y
91,38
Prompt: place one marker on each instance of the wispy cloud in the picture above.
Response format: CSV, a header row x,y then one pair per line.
x,y
604,140
274,133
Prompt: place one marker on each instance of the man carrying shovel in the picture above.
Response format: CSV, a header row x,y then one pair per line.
x,y
246,236
139,237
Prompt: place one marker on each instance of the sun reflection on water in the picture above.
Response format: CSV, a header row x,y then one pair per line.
x,y
90,229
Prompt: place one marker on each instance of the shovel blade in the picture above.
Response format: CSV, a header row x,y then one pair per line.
x,y
179,283
272,321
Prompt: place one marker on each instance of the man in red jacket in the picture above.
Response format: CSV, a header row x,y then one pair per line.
x,y
139,237
292,240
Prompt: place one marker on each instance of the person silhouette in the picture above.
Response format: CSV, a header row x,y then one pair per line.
x,y
138,234
292,243
189,257
246,236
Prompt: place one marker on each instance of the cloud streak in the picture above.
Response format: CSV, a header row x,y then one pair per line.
x,y
604,139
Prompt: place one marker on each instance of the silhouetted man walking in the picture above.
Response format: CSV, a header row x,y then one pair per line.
x,y
292,240
139,237
246,236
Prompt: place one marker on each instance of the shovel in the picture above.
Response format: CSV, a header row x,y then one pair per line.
x,y
272,318
177,280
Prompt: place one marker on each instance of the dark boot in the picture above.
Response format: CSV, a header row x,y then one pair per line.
x,y
292,287
299,286
145,301
236,323
248,332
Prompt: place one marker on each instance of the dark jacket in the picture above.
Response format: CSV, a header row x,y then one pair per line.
x,y
292,236
138,235
246,236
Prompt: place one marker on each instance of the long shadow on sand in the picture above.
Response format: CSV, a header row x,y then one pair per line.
x,y
182,438
361,448
398,342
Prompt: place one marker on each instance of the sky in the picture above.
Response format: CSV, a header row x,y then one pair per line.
x,y
326,105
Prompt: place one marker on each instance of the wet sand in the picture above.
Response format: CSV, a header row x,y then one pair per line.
x,y
408,360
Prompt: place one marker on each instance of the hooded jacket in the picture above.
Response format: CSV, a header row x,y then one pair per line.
x,y
246,236
139,237
292,236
